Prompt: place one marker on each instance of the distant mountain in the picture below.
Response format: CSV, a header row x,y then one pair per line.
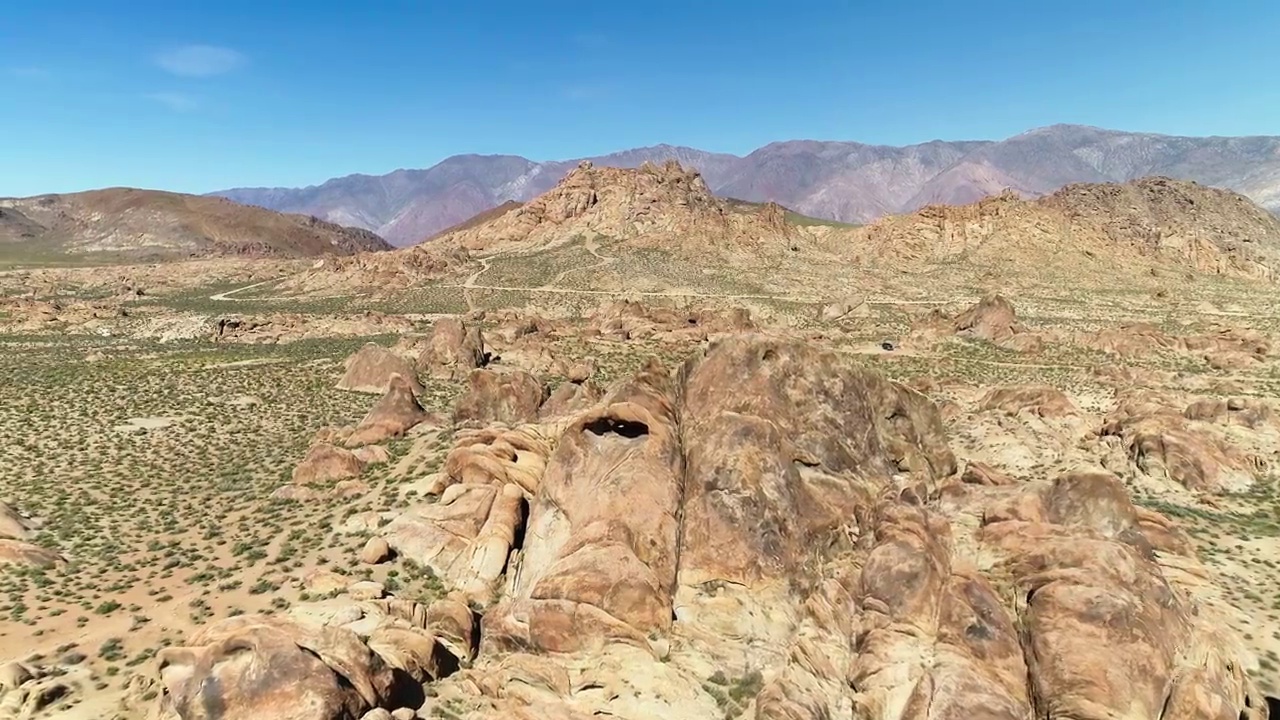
x,y
844,181
162,225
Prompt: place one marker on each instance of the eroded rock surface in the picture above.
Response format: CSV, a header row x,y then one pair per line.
x,y
774,531
395,413
371,368
499,397
454,349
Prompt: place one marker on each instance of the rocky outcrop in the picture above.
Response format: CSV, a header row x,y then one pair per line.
x,y
499,397
605,564
1042,400
1166,443
629,320
454,349
14,525
30,690
17,531
663,205
1226,347
774,531
261,666
466,535
1089,231
395,413
570,398
371,368
993,319
327,463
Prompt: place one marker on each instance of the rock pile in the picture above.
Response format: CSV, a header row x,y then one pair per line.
x,y
770,531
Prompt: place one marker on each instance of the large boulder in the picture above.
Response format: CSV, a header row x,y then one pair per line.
x,y
395,413
14,525
994,319
371,368
18,552
276,667
465,537
499,397
454,349
325,463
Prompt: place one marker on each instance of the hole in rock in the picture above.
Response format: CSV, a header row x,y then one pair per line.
x,y
405,691
624,428
446,663
476,626
1273,706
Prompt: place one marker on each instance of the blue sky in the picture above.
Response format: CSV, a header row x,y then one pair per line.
x,y
198,96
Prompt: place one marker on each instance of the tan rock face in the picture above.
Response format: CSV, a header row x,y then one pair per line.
x,y
326,463
395,414
1042,400
783,443
14,525
628,320
454,349
256,666
665,205
774,531
1166,443
503,397
371,368
16,532
605,566
570,398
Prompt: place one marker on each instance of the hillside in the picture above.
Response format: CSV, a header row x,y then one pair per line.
x,y
663,206
843,181
147,222
1147,225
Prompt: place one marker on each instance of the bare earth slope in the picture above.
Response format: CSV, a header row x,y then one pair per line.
x,y
844,181
125,220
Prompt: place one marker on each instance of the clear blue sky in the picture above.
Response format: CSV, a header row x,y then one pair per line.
x,y
197,96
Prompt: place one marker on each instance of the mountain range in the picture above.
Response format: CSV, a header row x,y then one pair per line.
x,y
844,181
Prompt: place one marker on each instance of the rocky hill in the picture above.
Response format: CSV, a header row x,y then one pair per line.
x,y
844,181
1141,226
161,224
665,206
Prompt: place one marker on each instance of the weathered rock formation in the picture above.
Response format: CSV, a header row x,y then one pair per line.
x,y
664,205
454,349
371,368
16,533
772,531
395,413
499,397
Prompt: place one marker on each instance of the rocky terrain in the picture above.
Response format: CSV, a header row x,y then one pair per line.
x,y
150,224
844,181
632,450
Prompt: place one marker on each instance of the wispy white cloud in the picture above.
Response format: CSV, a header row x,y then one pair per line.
x,y
177,102
200,60
29,73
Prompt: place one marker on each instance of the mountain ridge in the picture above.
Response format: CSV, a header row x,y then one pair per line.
x,y
831,179
133,221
